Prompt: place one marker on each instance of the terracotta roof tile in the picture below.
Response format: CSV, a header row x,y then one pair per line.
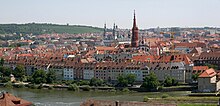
x,y
208,73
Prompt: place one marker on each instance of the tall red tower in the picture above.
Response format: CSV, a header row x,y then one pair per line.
x,y
134,39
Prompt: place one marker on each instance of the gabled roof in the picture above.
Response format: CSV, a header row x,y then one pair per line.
x,y
208,73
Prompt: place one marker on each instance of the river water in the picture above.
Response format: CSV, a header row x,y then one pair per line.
x,y
42,97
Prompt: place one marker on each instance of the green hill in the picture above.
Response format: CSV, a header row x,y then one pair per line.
x,y
37,29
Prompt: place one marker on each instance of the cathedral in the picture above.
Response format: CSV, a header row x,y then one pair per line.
x,y
135,42
134,38
115,36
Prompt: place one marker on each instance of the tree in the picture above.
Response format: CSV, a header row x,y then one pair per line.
x,y
6,71
2,62
39,76
195,77
122,81
168,81
151,82
19,71
131,78
96,82
51,76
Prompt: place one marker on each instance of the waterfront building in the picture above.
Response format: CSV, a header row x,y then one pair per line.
x,y
207,81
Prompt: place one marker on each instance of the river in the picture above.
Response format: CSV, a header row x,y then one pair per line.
x,y
42,97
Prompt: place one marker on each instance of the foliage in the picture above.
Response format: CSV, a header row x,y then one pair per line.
x,y
32,86
169,81
19,71
146,98
2,61
9,85
195,76
151,82
5,79
19,86
160,88
36,29
6,71
50,76
86,88
113,90
40,86
125,90
68,82
164,96
50,87
131,78
73,87
83,82
96,82
124,80
39,76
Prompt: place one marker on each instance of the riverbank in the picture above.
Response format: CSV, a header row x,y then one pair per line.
x,y
74,87
45,97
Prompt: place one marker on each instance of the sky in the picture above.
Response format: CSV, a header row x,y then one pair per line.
x,y
149,13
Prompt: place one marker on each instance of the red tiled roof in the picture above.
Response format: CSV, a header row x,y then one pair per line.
x,y
200,67
208,73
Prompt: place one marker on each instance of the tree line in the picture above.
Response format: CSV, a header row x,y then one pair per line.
x,y
37,29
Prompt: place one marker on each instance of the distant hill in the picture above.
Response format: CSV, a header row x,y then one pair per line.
x,y
37,29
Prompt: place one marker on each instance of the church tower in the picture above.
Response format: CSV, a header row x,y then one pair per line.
x,y
105,30
134,39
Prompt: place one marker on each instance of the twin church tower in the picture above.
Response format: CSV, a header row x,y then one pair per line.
x,y
116,36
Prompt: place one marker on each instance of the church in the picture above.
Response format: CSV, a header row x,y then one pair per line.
x,y
117,37
135,42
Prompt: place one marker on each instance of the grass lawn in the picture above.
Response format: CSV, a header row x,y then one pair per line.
x,y
196,104
187,101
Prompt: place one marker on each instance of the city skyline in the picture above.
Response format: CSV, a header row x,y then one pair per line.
x,y
151,13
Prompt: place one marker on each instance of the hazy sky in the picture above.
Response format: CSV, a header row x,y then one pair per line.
x,y
150,13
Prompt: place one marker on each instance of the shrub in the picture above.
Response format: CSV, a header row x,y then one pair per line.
x,y
5,79
32,86
8,85
20,86
68,82
146,98
73,87
40,86
125,90
160,88
82,82
86,88
164,96
113,90
50,87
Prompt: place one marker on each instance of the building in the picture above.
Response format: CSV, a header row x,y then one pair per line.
x,y
208,58
175,70
134,39
207,81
